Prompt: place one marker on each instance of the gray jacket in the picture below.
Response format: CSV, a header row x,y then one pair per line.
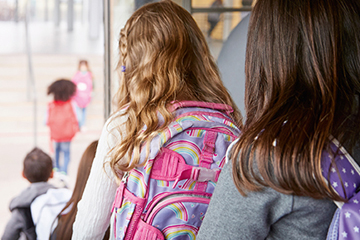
x,y
263,215
17,223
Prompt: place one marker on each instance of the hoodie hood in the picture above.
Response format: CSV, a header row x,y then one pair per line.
x,y
29,194
50,203
45,209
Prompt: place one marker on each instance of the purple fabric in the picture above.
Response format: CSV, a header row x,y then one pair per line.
x,y
346,222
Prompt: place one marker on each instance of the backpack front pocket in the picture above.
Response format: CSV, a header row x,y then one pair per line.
x,y
145,231
178,215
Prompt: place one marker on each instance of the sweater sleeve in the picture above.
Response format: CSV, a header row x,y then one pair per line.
x,y
94,209
233,216
14,227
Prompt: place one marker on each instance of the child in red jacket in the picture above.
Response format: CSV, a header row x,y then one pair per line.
x,y
62,120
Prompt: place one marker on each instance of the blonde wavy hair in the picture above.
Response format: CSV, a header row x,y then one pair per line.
x,y
164,58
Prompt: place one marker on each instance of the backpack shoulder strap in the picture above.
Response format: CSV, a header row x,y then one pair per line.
x,y
29,228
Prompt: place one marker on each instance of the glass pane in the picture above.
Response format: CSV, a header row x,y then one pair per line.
x,y
217,26
55,53
120,10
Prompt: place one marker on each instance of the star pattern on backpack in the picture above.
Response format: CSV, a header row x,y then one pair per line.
x,y
346,220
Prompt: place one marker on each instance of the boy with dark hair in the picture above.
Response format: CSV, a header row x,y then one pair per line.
x,y
37,166
37,170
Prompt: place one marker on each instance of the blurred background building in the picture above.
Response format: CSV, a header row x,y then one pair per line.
x,y
43,40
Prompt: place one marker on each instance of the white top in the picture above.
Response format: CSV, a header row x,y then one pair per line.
x,y
45,209
94,209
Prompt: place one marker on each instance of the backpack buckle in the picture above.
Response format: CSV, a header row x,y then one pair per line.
x,y
199,174
206,175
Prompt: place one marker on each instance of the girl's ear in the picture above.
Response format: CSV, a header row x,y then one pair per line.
x,y
51,174
23,174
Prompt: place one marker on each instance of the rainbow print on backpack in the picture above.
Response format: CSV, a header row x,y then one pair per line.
x,y
169,196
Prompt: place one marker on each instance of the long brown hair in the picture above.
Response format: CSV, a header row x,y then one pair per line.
x,y
163,57
64,228
302,88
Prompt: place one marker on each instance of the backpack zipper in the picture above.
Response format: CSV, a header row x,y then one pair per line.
x,y
125,177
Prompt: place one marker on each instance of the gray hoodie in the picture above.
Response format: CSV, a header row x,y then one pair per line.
x,y
16,223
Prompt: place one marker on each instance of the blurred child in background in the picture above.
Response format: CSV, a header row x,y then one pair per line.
x,y
28,214
83,80
62,120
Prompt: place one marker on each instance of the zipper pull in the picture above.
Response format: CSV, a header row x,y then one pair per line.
x,y
125,177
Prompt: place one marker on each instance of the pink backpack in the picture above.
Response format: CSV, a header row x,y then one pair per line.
x,y
62,121
168,197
